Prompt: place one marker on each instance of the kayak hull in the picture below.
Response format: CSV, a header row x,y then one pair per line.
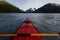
x,y
27,28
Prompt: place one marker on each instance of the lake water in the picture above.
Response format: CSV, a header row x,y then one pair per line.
x,y
44,22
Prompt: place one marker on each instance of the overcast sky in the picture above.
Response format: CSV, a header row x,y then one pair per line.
x,y
26,4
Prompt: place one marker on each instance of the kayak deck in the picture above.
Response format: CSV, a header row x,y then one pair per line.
x,y
27,28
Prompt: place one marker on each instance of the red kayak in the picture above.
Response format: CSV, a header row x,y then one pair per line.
x,y
27,28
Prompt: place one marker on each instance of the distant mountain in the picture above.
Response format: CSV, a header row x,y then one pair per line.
x,y
6,7
30,10
48,8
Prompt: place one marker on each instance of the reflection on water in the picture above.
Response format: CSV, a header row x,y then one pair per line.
x,y
45,23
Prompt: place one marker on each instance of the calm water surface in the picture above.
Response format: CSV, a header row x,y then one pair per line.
x,y
45,23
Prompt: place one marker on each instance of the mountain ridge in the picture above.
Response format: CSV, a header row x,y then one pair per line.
x,y
6,7
48,8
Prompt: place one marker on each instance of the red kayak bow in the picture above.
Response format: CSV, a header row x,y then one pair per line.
x,y
27,28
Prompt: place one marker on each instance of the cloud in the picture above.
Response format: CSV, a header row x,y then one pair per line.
x,y
26,4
